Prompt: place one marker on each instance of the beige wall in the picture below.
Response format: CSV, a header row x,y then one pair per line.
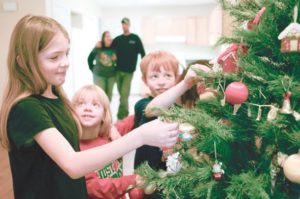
x,y
7,23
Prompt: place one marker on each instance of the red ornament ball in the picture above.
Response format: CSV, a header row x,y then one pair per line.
x,y
136,193
217,176
236,93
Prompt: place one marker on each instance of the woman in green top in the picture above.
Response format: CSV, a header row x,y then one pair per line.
x,y
102,62
38,126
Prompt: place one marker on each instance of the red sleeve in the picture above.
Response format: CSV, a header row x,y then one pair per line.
x,y
108,188
125,125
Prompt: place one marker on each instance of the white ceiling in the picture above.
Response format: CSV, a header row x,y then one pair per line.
x,y
112,3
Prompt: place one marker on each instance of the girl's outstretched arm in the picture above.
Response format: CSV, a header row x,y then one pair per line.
x,y
78,164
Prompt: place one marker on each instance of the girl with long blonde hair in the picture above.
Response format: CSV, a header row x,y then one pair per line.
x,y
40,129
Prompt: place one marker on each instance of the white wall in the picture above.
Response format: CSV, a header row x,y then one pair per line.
x,y
83,40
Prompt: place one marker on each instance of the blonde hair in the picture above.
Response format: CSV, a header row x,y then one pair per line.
x,y
30,36
100,95
157,59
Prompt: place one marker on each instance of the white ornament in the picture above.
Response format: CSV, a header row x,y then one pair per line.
x,y
186,131
296,115
185,136
216,66
173,163
217,168
186,127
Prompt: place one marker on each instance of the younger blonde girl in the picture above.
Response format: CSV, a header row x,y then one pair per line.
x,y
92,107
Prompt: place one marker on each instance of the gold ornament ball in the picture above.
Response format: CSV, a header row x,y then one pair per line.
x,y
291,168
149,189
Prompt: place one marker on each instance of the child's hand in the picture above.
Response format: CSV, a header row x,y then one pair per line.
x,y
158,133
191,77
114,133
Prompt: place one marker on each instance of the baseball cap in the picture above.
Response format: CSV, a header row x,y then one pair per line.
x,y
125,20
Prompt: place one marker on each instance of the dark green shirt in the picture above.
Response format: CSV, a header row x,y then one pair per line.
x,y
128,47
35,174
105,65
150,154
146,153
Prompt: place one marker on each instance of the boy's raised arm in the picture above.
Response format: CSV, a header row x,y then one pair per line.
x,y
169,97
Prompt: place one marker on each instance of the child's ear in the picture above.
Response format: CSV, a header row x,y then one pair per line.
x,y
144,80
177,78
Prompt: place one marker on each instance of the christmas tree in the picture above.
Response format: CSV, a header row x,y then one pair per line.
x,y
246,135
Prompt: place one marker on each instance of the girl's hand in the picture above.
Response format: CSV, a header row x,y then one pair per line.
x,y
191,77
114,133
158,133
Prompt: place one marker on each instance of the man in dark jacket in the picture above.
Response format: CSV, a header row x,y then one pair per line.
x,y
127,46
